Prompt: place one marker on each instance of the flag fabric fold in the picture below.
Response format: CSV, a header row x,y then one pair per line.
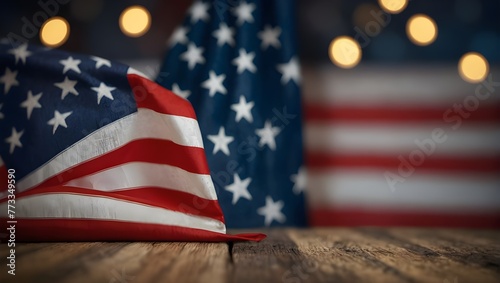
x,y
237,63
98,152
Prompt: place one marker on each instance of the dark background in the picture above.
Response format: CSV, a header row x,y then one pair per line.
x,y
463,26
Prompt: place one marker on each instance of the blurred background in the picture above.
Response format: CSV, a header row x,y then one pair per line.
x,y
401,98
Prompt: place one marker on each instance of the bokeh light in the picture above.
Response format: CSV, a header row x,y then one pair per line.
x,y
473,67
345,52
54,32
135,21
393,6
421,30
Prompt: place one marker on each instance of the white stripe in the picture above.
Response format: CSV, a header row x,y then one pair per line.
x,y
72,206
143,124
374,85
424,191
473,139
132,71
140,174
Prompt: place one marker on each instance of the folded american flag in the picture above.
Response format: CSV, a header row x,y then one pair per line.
x,y
237,62
100,153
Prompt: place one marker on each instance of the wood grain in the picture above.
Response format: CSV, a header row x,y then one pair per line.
x,y
287,255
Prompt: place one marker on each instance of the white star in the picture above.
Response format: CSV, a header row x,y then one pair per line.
x,y
67,86
245,61
59,120
99,62
215,83
14,139
267,135
272,211
299,180
9,80
182,93
199,11
21,52
31,102
290,71
239,188
224,35
193,55
70,64
244,13
221,141
103,91
243,109
269,37
179,36
1,114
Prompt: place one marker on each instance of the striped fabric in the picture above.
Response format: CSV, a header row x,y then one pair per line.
x,y
139,174
411,146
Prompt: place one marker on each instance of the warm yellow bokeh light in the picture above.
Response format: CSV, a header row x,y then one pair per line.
x,y
345,52
473,67
421,30
54,32
393,6
135,21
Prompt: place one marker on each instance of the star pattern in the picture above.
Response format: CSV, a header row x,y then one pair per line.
x,y
99,62
193,56
221,141
269,37
199,11
14,140
243,109
21,53
67,86
243,13
182,93
267,135
9,80
31,103
71,64
224,35
48,104
239,188
245,62
299,181
238,67
179,36
58,120
215,84
290,71
272,211
103,91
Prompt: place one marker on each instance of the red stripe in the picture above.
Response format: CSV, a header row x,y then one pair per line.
x,y
191,159
485,164
359,217
150,95
158,197
367,114
80,230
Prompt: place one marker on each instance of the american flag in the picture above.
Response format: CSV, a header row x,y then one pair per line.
x,y
410,146
100,153
236,62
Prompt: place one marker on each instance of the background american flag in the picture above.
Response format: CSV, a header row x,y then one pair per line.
x,y
237,64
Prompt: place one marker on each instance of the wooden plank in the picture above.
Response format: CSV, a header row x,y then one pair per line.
x,y
287,255
121,262
272,260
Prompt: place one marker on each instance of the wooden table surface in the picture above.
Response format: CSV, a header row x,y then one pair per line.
x,y
289,256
